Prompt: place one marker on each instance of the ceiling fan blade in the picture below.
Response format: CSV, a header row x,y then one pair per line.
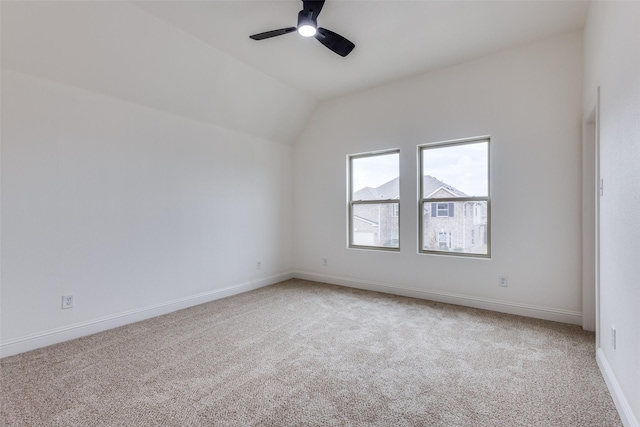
x,y
313,6
273,33
335,42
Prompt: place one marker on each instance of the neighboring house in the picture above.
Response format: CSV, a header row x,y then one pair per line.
x,y
453,226
448,226
377,224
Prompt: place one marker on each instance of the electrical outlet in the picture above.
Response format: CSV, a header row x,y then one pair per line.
x,y
325,262
258,265
613,337
503,281
67,301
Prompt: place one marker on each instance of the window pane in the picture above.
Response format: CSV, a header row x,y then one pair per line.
x,y
455,227
456,171
376,177
374,224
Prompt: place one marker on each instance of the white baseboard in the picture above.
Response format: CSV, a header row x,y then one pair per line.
x,y
621,402
556,315
55,336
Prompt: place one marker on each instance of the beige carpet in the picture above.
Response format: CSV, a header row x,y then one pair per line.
x,y
303,353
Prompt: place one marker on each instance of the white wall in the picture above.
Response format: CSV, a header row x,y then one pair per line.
x,y
142,171
127,208
529,100
612,62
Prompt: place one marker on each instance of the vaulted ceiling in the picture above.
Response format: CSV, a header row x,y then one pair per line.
x,y
195,58
394,39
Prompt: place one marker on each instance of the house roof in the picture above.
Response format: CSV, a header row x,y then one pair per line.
x,y
388,190
391,190
431,185
366,220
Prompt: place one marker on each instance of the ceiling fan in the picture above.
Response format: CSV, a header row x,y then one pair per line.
x,y
308,27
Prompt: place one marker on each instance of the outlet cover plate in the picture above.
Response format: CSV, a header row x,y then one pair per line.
x,y
67,301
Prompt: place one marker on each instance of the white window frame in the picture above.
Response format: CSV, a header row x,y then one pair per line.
x,y
438,210
423,201
447,238
395,211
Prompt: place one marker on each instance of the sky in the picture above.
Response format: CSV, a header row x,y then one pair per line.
x,y
461,166
373,171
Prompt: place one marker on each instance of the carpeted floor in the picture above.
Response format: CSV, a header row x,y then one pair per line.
x,y
303,353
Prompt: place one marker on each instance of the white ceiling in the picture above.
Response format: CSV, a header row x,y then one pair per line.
x,y
394,39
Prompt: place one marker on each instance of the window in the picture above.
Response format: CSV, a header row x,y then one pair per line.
x,y
442,209
455,198
374,200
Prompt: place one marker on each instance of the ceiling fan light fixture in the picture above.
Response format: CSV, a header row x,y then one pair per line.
x,y
307,30
307,26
